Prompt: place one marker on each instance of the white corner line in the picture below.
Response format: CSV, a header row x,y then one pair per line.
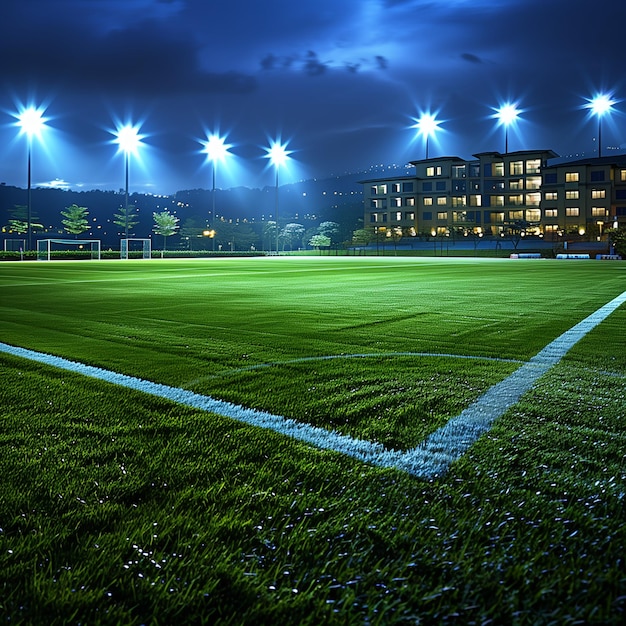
x,y
430,459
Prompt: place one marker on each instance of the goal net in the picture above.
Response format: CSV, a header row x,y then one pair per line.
x,y
138,248
14,245
45,247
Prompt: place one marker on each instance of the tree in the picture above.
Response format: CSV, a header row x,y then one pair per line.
x,y
330,230
617,237
75,221
362,237
165,224
191,231
18,221
269,233
292,233
320,241
126,218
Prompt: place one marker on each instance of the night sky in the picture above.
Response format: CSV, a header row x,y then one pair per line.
x,y
341,80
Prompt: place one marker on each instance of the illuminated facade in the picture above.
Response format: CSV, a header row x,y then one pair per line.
x,y
499,194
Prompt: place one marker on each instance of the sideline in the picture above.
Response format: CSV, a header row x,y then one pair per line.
x,y
429,460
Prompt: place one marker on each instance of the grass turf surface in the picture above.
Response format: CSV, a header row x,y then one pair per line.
x,y
117,507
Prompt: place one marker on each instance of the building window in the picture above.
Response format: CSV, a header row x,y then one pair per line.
x,y
552,229
498,169
379,190
622,175
516,215
409,215
475,200
442,215
497,201
533,199
533,215
598,211
458,171
379,204
571,177
572,194
516,184
552,195
551,213
598,193
433,171
459,216
517,200
440,186
428,201
374,217
550,178
395,188
458,201
572,211
497,218
427,215
597,176
397,216
442,201
533,182
407,187
516,168
410,202
533,166
396,201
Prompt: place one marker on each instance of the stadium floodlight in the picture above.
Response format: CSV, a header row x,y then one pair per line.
x,y
427,125
600,105
31,122
507,115
278,155
128,139
216,150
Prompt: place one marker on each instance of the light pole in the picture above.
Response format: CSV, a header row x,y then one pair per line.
x,y
427,125
599,106
507,114
31,122
128,139
278,154
216,150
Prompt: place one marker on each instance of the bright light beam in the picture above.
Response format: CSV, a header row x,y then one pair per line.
x,y
427,125
31,122
600,105
216,149
278,155
507,115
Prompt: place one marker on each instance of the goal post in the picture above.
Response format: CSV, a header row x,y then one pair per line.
x,y
14,245
144,246
45,247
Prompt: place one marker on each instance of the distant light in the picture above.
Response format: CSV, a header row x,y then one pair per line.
x,y
277,153
601,104
215,148
507,113
128,138
31,121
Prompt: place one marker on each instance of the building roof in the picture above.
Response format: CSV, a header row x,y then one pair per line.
x,y
617,159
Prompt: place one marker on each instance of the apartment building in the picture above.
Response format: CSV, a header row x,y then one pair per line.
x,y
499,194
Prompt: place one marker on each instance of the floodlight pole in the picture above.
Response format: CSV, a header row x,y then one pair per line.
x,y
277,232
29,215
126,205
213,205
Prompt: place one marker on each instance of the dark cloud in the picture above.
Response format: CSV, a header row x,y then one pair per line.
x,y
313,66
472,58
381,62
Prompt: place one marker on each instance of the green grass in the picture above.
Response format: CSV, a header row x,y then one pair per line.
x,y
116,507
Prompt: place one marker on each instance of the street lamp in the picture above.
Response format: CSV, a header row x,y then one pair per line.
x,y
600,105
427,125
31,122
507,114
128,139
216,150
278,155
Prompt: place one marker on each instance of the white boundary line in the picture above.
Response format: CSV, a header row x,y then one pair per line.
x,y
428,460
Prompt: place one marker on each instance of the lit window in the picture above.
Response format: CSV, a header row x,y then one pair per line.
x,y
516,200
516,168
438,170
410,202
551,213
533,182
497,200
475,200
458,201
552,195
428,201
572,194
498,218
442,215
378,190
622,175
516,215
430,171
533,199
409,215
442,201
498,169
552,228
598,211
571,177
396,201
458,171
395,188
533,166
518,183
533,215
397,216
572,211
598,193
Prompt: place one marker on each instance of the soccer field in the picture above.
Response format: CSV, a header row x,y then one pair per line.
x,y
268,528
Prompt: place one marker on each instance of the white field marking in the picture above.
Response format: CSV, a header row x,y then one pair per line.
x,y
429,460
